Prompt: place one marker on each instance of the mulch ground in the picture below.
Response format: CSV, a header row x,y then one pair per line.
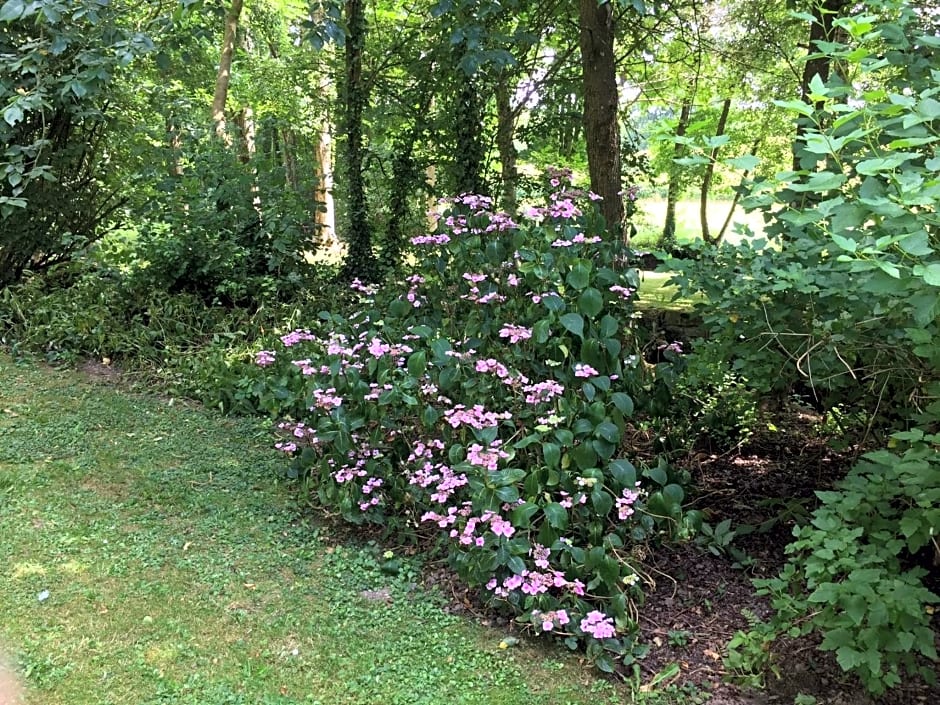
x,y
700,600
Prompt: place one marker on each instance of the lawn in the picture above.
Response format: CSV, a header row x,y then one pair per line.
x,y
151,555
651,214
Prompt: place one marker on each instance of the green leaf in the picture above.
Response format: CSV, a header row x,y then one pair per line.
x,y
623,472
623,402
869,167
573,322
12,10
657,475
517,566
541,331
584,456
580,275
916,244
797,106
747,162
602,501
817,89
930,273
556,515
848,658
590,302
13,114
551,453
521,515
417,364
846,243
608,431
691,161
508,494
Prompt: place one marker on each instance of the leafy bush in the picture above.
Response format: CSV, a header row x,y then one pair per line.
x,y
485,401
843,293
854,575
224,234
57,65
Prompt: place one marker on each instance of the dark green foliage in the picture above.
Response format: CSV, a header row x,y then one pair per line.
x,y
844,295
360,259
224,234
856,573
57,65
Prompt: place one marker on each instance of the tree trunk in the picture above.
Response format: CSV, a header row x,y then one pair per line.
x,y
821,30
737,196
505,143
601,129
323,189
287,154
360,259
247,148
470,151
225,70
710,172
175,143
668,238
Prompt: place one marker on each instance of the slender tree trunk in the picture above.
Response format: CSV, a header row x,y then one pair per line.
x,y
821,30
601,128
225,69
247,147
505,143
360,259
737,197
668,238
174,141
288,157
323,189
710,172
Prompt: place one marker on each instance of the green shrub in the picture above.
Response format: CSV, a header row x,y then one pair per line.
x,y
856,572
842,293
485,401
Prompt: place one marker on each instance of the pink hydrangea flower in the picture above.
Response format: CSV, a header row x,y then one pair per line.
x,y
583,370
598,625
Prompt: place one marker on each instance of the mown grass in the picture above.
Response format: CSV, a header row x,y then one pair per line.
x,y
150,555
656,292
651,214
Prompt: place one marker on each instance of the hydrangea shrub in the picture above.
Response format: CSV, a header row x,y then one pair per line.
x,y
486,399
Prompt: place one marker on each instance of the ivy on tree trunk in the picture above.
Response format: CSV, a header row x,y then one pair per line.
x,y
360,259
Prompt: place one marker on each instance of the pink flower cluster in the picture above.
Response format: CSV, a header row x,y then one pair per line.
x,y
578,239
441,239
531,582
326,400
625,503
583,370
598,625
297,336
548,620
624,291
539,555
492,366
365,289
477,417
428,471
541,392
486,457
515,333
263,358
